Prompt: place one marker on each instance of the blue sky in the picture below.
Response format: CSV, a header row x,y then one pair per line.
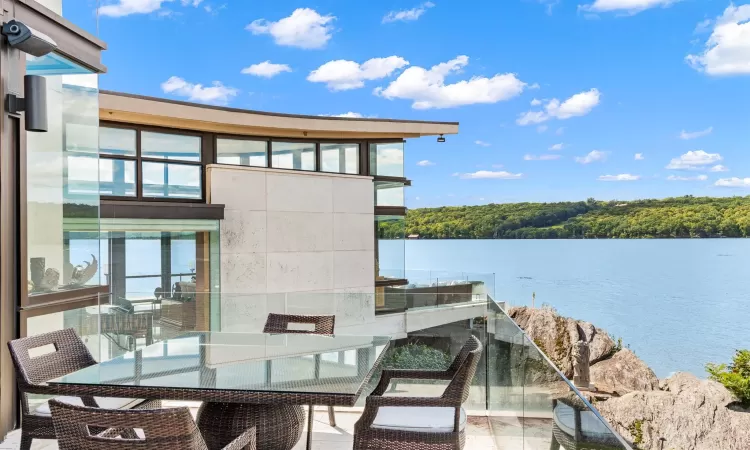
x,y
607,79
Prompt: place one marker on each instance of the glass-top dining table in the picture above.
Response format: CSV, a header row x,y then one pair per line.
x,y
243,379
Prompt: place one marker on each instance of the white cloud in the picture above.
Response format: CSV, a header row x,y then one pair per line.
x,y
489,174
482,143
126,7
341,74
639,157
687,135
407,15
191,2
578,105
727,50
733,182
217,93
681,178
620,177
541,157
536,102
694,160
719,168
557,147
593,156
305,28
560,131
497,166
425,163
266,69
427,88
627,6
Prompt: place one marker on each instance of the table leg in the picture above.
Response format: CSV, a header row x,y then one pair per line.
x,y
278,426
310,420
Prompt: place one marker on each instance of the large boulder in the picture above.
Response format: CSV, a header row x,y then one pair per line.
x,y
555,335
686,414
623,373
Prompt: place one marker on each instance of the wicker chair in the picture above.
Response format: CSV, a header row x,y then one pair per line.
x,y
163,429
576,427
418,423
32,373
279,323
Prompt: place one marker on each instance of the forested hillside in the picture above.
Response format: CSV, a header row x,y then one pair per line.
x,y
680,217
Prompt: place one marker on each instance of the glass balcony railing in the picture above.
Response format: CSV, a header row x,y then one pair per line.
x,y
518,396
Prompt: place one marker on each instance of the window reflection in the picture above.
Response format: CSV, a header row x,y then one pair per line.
x,y
387,159
170,146
62,190
389,194
171,180
117,177
339,158
242,152
391,248
293,155
116,141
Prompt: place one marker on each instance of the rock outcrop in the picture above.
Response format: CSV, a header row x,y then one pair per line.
x,y
623,373
555,335
685,414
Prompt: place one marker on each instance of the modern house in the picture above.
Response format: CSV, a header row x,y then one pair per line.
x,y
134,219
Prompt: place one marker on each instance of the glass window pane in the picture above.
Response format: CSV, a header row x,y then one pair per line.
x,y
389,194
116,141
62,182
340,158
241,152
177,147
171,180
391,250
116,177
387,159
293,155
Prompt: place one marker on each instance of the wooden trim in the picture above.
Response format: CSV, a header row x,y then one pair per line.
x,y
134,209
391,282
390,210
61,297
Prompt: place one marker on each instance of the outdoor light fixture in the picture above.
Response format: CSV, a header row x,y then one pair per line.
x,y
441,138
34,102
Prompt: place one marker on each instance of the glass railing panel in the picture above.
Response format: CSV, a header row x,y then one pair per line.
x,y
532,405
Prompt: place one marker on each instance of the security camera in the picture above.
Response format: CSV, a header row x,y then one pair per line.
x,y
27,39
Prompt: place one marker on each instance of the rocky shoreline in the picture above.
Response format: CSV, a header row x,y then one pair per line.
x,y
682,412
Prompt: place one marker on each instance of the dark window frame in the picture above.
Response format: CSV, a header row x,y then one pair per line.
x,y
139,160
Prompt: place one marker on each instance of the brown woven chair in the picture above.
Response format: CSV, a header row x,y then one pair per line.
x,y
279,323
418,423
162,429
576,427
32,374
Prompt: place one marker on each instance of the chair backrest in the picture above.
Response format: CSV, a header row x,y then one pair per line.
x,y
80,428
464,367
66,354
279,323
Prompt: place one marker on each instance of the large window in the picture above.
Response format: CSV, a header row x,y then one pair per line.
x,y
387,159
149,164
241,152
389,193
339,158
293,155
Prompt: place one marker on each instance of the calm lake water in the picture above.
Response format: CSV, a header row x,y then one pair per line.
x,y
677,303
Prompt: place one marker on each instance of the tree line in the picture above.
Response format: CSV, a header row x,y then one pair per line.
x,y
678,217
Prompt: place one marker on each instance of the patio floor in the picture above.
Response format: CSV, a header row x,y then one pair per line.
x,y
325,437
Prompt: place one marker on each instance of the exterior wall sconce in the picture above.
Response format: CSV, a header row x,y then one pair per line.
x,y
34,101
441,138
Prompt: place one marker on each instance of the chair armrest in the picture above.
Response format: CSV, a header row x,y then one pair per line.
x,y
246,439
390,374
427,402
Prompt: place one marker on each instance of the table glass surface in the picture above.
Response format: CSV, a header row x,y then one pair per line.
x,y
298,363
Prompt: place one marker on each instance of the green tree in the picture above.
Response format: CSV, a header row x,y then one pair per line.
x,y
735,376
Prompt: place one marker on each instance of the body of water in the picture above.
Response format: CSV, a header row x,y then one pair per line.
x,y
678,304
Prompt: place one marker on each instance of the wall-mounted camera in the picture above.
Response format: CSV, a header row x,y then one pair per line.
x,y
27,39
